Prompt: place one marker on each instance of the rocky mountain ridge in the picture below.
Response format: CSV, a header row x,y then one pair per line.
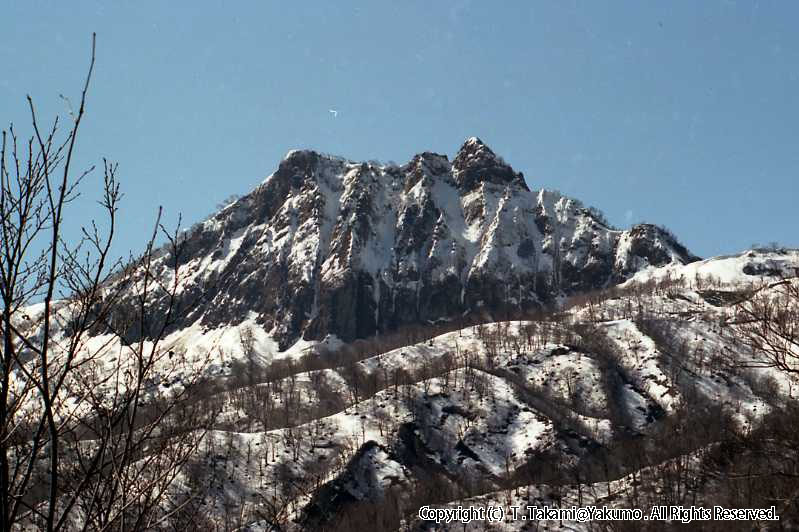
x,y
327,246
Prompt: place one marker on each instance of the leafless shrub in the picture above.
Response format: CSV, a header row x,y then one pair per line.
x,y
90,435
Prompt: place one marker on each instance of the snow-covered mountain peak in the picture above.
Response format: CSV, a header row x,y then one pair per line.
x,y
475,163
326,245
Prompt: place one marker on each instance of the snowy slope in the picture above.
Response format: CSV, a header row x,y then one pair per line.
x,y
742,269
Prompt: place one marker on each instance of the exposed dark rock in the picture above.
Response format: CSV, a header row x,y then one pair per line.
x,y
475,163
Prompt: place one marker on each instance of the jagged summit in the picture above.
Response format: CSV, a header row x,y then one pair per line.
x,y
476,163
472,147
326,245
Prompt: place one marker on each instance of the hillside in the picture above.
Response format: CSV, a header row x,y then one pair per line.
x,y
574,406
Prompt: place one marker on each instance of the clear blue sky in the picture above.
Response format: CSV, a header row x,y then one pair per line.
x,y
679,113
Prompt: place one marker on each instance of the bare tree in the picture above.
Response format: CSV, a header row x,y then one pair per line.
x,y
94,427
768,323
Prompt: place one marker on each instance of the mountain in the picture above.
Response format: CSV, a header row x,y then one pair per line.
x,y
327,246
355,341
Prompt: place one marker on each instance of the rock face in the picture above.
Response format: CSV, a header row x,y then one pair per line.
x,y
330,246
